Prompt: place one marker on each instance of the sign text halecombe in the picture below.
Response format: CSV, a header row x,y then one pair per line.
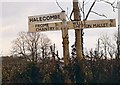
x,y
45,18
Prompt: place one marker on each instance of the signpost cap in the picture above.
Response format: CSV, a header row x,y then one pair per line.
x,y
63,10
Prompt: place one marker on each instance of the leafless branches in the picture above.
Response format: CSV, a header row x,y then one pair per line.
x,y
111,3
90,9
99,14
85,15
59,5
29,45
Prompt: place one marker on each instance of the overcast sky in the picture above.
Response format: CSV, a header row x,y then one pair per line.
x,y
14,16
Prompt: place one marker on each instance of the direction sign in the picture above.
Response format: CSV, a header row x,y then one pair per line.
x,y
46,18
35,27
92,24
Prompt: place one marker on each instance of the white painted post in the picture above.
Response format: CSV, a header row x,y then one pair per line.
x,y
65,40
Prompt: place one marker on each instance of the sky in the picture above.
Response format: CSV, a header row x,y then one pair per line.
x,y
14,19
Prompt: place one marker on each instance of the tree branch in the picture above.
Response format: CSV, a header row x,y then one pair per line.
x,y
71,15
112,4
59,5
99,14
83,5
90,10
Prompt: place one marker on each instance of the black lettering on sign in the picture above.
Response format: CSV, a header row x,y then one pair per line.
x,y
54,17
45,28
44,18
41,29
51,17
88,26
76,24
35,19
41,25
58,16
100,25
56,26
106,24
51,28
40,19
31,20
94,25
48,18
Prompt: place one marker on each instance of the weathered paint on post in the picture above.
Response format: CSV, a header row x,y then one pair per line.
x,y
65,40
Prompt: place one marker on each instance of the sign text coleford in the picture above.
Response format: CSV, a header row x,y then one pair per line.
x,y
46,18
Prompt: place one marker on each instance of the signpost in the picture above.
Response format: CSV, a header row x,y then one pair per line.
x,y
65,40
38,23
41,23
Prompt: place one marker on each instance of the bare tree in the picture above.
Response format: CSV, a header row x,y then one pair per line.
x,y
31,46
117,41
106,45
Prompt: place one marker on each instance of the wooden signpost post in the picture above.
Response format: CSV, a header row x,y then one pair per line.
x,y
43,23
